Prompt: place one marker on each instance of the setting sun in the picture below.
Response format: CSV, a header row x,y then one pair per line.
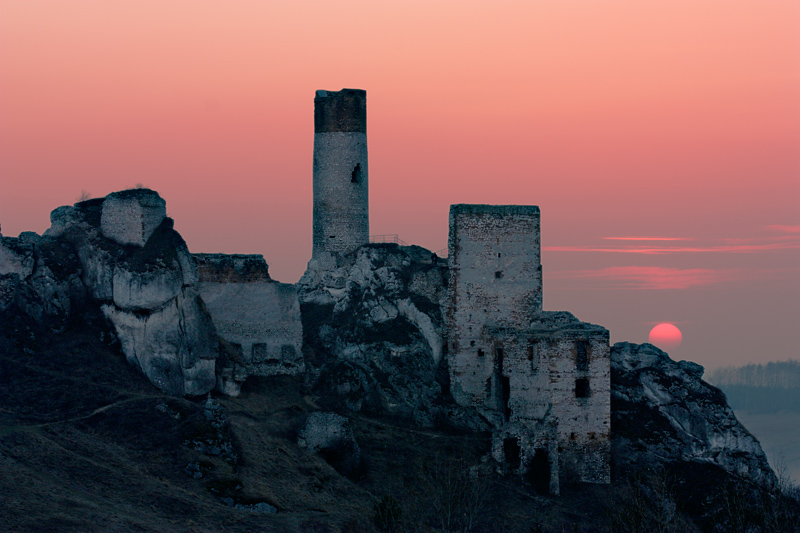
x,y
666,336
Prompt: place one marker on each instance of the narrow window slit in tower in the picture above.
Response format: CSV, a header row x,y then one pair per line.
x,y
582,356
581,388
355,177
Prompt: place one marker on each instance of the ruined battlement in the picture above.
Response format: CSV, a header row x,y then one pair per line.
x,y
340,111
497,210
232,268
131,216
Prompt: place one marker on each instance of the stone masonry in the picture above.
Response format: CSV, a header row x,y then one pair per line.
x,y
131,216
258,316
341,172
541,379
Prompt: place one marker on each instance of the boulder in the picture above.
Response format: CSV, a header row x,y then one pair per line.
x,y
150,289
330,436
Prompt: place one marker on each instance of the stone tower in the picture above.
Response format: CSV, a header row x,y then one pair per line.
x,y
341,171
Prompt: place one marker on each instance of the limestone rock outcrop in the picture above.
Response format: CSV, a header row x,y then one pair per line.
x,y
372,328
122,252
663,412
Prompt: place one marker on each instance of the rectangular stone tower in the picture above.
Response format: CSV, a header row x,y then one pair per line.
x,y
495,280
341,171
541,379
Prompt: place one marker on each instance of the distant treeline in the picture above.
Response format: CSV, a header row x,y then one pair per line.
x,y
765,388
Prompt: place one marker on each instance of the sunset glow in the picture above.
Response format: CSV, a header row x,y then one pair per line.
x,y
666,336
661,140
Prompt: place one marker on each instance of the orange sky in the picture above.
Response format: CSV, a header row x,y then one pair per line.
x,y
624,118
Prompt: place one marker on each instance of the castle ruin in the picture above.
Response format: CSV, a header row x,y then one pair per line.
x,y
341,172
540,379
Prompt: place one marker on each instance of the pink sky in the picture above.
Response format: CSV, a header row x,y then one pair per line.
x,y
657,120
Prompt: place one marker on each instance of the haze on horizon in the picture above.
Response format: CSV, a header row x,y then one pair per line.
x,y
661,142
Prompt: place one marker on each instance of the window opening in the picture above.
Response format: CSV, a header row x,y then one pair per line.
x,y
506,384
355,177
259,352
511,452
539,471
582,358
582,388
480,352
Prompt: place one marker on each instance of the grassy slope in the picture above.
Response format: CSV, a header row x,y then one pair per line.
x,y
86,444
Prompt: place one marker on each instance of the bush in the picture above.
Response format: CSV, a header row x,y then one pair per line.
x,y
387,514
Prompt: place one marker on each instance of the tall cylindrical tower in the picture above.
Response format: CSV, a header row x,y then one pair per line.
x,y
341,171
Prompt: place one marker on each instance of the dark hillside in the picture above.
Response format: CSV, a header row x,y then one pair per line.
x,y
88,444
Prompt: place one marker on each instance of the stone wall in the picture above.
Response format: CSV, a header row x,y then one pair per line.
x,y
541,379
259,317
341,171
495,279
131,217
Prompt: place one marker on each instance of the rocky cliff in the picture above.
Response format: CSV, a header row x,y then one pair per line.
x,y
373,330
663,413
121,253
366,328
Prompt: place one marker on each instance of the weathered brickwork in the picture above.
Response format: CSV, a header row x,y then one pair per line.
x,y
131,217
341,171
495,278
259,317
541,379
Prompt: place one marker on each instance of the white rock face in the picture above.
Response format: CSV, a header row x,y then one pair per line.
x,y
135,291
131,217
694,421
172,346
376,343
148,291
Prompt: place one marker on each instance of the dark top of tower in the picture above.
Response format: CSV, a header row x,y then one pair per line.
x,y
340,111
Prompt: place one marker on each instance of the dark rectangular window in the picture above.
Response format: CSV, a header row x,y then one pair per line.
x,y
581,388
480,352
259,352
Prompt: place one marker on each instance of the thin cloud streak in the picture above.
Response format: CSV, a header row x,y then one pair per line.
x,y
657,278
646,239
783,228
656,250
